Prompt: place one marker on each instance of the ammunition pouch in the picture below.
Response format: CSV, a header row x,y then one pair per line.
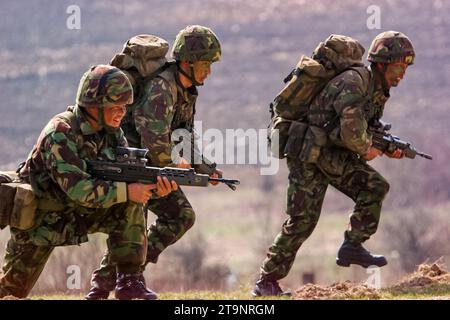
x,y
295,140
315,139
18,204
278,135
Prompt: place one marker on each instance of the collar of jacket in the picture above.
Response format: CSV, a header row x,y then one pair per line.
x,y
85,127
378,78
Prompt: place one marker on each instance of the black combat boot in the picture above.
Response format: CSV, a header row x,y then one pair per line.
x,y
97,294
101,286
354,253
132,286
267,288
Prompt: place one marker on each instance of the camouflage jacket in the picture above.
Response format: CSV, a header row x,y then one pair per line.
x,y
349,102
167,106
56,166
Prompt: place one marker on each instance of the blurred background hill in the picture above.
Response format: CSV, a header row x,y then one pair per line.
x,y
41,62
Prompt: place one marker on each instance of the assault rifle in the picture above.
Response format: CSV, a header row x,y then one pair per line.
x,y
130,166
386,142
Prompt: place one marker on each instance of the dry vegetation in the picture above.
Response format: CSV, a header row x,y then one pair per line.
x,y
429,281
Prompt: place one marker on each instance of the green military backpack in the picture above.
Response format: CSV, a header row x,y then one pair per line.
x,y
143,57
333,56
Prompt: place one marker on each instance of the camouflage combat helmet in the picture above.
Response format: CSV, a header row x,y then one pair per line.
x,y
196,43
104,86
391,46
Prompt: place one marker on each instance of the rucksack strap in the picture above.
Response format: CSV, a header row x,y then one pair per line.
x,y
330,125
142,83
371,84
161,69
141,95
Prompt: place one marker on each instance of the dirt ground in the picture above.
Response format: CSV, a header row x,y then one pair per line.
x,y
425,280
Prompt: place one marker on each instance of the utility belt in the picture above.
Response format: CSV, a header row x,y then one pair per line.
x,y
305,142
297,140
312,145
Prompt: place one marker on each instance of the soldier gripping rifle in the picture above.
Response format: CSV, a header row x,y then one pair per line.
x,y
131,167
165,102
388,143
69,203
338,155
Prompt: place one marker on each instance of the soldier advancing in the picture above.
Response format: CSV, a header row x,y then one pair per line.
x,y
169,104
71,202
350,102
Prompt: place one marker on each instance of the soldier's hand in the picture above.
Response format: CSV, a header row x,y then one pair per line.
x,y
139,192
372,154
397,154
164,186
217,174
184,164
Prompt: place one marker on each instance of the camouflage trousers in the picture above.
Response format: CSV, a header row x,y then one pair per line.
x,y
175,216
28,251
308,184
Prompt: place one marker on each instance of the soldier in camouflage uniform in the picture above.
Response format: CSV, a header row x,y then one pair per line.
x,y
170,105
71,202
349,103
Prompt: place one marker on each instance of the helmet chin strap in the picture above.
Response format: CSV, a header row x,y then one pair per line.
x,y
87,114
191,76
384,84
100,120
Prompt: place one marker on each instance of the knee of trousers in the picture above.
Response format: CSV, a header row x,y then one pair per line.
x,y
300,226
187,218
379,187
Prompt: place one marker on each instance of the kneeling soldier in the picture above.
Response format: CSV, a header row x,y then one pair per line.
x,y
72,203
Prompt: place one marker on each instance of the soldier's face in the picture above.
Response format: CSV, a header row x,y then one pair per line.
x,y
394,73
114,115
202,69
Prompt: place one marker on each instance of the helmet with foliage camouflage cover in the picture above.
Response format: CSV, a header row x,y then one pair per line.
x,y
104,86
391,46
196,43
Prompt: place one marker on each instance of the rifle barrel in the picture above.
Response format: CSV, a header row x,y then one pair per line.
x,y
227,181
426,156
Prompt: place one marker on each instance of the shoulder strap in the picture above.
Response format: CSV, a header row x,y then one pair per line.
x,y
331,125
370,83
141,84
169,76
160,70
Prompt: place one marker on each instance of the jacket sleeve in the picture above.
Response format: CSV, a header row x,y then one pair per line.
x,y
349,105
68,170
153,121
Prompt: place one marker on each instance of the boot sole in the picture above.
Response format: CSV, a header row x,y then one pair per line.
x,y
97,298
258,295
347,263
128,297
255,295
